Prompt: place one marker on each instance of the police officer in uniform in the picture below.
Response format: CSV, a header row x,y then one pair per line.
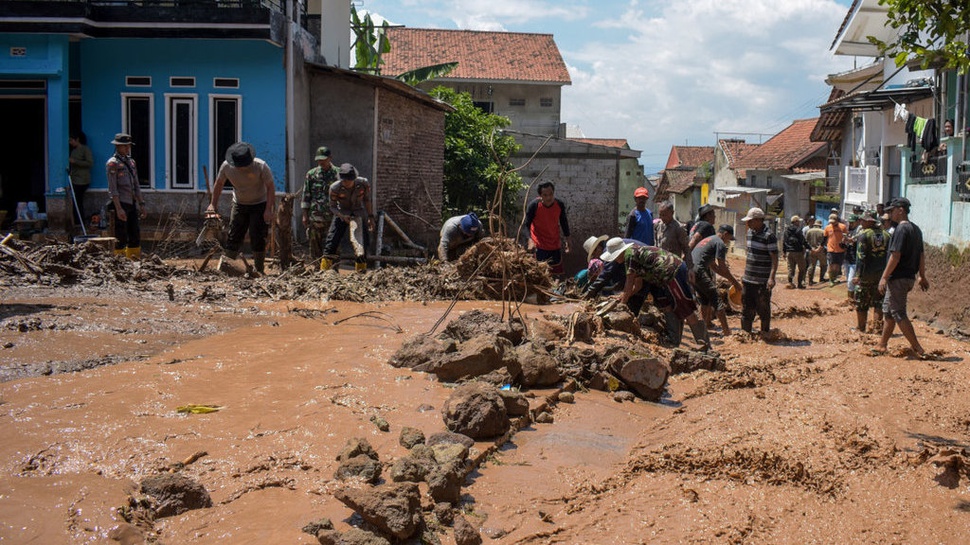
x,y
126,197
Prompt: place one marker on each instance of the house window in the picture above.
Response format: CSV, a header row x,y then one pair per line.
x,y
181,141
136,120
516,102
181,82
487,107
226,83
138,81
545,102
225,128
754,181
768,182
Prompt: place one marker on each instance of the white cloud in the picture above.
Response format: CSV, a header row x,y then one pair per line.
x,y
701,66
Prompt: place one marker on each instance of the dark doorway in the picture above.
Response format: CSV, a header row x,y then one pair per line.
x,y
22,151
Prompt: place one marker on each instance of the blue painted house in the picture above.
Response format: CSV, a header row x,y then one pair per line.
x,y
187,78
185,90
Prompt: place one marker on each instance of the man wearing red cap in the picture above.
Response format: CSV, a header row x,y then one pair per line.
x,y
639,224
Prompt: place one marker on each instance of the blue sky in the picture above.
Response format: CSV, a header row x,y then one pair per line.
x,y
664,73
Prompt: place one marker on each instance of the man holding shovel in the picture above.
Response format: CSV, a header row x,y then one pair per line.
x,y
350,205
253,200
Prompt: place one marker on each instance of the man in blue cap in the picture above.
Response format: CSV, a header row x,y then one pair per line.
x,y
457,235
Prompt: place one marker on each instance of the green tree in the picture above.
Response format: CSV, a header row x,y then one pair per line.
x,y
371,43
935,32
478,174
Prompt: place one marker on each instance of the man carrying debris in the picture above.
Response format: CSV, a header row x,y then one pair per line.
x,y
350,204
760,267
126,197
457,235
253,201
870,263
316,201
709,257
545,217
664,276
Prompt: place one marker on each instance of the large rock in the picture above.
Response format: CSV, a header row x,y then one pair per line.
x,y
465,533
444,437
645,376
393,508
516,404
476,410
476,356
356,447
410,469
417,350
687,361
175,494
476,323
410,437
444,482
361,466
622,320
539,368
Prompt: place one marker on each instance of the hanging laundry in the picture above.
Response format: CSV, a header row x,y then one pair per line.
x,y
930,139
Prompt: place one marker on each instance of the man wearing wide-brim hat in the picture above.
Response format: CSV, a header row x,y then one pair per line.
x,y
650,270
760,267
316,201
126,197
253,200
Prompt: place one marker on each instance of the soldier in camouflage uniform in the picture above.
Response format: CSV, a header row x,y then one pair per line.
x,y
871,262
665,277
316,201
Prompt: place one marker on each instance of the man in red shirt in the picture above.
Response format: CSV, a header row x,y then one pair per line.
x,y
548,227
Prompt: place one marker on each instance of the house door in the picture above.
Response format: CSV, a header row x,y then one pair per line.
x,y
225,130
138,123
23,160
182,142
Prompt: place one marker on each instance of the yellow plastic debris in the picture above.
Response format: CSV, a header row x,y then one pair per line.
x,y
195,408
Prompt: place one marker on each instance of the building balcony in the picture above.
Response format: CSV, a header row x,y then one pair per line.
x,y
929,170
237,19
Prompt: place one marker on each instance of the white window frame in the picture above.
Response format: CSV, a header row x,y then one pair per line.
x,y
217,161
151,129
192,99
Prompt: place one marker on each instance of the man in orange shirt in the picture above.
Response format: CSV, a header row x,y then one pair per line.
x,y
835,233
548,227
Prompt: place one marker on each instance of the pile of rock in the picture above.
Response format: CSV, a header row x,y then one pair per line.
x,y
607,353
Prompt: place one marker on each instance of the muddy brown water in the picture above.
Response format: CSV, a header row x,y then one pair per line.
x,y
803,439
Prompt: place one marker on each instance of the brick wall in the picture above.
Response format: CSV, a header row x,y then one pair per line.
x,y
410,166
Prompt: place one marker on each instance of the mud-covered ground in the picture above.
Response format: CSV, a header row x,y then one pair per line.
x,y
803,438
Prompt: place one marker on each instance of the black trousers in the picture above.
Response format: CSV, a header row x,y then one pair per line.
x,y
247,218
338,228
128,232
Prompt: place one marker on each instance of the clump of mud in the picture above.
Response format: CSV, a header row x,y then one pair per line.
x,y
498,268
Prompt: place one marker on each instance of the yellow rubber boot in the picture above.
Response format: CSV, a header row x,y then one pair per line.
x,y
121,252
326,264
360,267
133,254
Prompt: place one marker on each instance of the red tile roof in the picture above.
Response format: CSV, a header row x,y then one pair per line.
x,y
786,150
690,156
675,181
736,150
493,56
608,142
